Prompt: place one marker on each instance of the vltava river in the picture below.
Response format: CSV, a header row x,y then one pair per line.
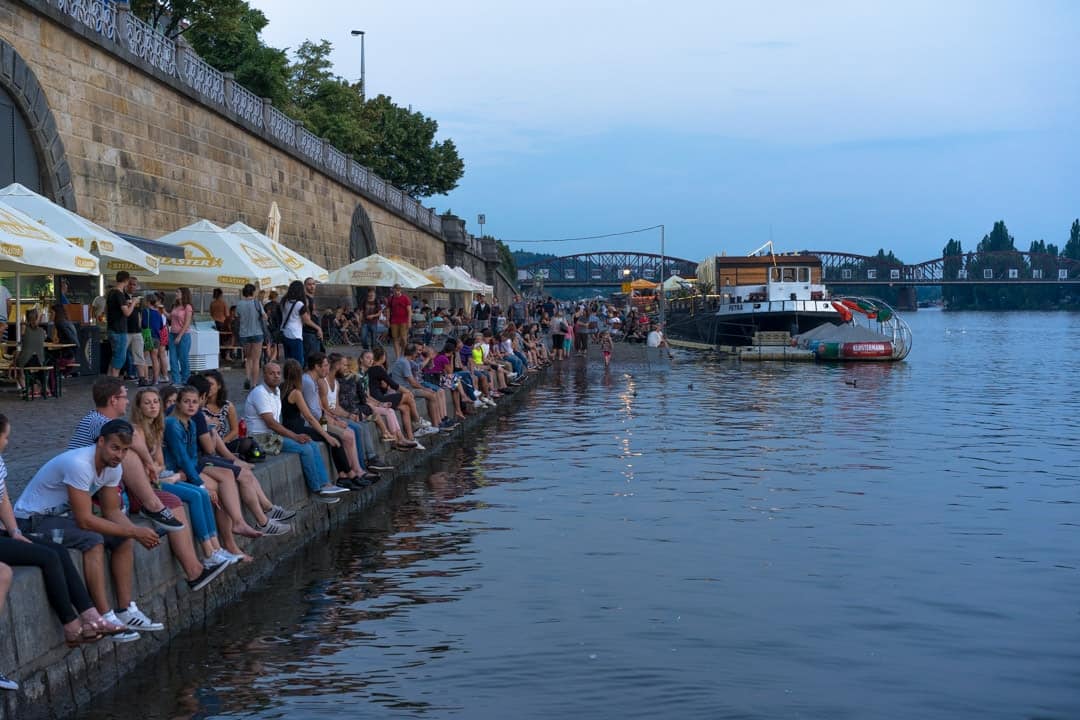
x,y
712,540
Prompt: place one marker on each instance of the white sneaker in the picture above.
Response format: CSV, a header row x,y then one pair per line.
x,y
478,404
424,423
427,430
418,446
134,619
490,402
221,555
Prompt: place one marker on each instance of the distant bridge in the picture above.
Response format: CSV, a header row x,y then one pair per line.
x,y
602,269
610,268
1006,267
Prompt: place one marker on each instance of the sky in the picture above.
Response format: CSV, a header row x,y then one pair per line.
x,y
846,126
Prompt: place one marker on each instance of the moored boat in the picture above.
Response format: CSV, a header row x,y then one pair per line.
x,y
775,300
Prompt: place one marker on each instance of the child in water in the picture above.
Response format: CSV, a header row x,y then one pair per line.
x,y
606,346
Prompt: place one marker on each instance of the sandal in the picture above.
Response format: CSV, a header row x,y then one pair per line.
x,y
106,628
86,634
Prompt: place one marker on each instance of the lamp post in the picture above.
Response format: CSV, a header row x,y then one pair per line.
x,y
663,298
363,81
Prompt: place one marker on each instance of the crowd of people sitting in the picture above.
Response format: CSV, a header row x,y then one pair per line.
x,y
181,455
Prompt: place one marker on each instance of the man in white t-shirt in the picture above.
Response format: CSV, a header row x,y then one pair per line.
x,y
656,337
262,413
59,497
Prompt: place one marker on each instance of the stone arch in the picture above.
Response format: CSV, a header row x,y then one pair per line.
x,y
361,235
24,90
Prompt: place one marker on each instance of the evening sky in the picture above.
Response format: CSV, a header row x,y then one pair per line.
x,y
838,125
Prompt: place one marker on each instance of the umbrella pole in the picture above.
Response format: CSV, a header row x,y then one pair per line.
x,y
18,307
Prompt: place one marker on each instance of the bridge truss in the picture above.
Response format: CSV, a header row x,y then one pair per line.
x,y
974,267
604,268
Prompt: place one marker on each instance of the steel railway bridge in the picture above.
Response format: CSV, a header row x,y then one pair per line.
x,y
605,270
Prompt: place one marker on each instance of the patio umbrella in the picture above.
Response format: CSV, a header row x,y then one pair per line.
x,y
378,271
215,257
450,280
643,284
28,247
675,282
298,266
481,287
78,230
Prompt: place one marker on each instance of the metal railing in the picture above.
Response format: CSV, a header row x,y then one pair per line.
x,y
117,26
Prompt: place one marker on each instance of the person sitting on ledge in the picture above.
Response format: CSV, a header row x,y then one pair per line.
x,y
406,375
345,373
64,587
366,394
212,428
262,412
353,475
110,402
59,497
343,425
148,419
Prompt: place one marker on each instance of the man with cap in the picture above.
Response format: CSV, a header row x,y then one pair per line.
x,y
59,497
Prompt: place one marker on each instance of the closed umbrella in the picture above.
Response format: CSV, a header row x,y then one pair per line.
x,y
215,257
298,266
378,271
78,230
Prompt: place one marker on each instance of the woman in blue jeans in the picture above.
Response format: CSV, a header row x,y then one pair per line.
x,y
292,322
180,318
147,417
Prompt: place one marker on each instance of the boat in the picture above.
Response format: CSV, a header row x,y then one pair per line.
x,y
776,301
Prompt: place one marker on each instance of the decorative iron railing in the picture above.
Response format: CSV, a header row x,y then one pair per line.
x,y
115,24
202,77
247,105
149,45
100,15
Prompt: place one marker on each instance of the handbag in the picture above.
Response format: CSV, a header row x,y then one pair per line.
x,y
147,333
270,443
278,335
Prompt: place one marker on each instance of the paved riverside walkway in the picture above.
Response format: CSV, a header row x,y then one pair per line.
x,y
42,428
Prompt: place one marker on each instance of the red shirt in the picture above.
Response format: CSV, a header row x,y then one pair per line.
x,y
400,309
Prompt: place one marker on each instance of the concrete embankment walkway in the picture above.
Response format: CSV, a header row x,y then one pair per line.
x,y
55,681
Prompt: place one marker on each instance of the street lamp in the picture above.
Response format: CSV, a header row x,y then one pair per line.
x,y
363,82
662,260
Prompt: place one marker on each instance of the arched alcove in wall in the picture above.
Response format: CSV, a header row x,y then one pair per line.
x,y
31,151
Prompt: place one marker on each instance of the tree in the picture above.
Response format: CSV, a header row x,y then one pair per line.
x,y
178,17
396,143
1072,247
236,48
506,259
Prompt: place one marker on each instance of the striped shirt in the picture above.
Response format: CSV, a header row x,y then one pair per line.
x,y
88,430
3,479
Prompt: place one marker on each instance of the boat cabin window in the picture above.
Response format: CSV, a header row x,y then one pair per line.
x,y
804,274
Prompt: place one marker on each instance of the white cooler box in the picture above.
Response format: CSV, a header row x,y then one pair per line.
x,y
205,346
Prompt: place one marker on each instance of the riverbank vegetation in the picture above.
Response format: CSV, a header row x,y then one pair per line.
x,y
398,143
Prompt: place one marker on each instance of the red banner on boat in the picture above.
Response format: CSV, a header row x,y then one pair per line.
x,y
866,350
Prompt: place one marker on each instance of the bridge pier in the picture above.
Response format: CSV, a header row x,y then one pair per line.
x,y
907,298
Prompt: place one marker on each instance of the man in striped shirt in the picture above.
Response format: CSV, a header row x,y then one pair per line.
x,y
110,403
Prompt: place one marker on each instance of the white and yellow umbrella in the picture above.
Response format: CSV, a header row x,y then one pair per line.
x,y
298,266
379,271
78,230
29,248
480,287
451,280
214,257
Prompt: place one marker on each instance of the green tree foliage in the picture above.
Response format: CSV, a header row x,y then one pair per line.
x,y
397,143
1072,247
506,259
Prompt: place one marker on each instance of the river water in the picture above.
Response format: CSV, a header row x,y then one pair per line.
x,y
713,540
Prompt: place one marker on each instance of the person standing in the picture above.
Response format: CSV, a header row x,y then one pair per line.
x,y
118,307
481,313
293,311
371,313
517,310
136,341
180,318
400,317
272,310
252,322
219,310
65,329
312,330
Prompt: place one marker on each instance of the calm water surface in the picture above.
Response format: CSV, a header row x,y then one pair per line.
x,y
714,540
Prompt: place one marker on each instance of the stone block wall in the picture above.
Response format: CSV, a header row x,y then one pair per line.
x,y
147,158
